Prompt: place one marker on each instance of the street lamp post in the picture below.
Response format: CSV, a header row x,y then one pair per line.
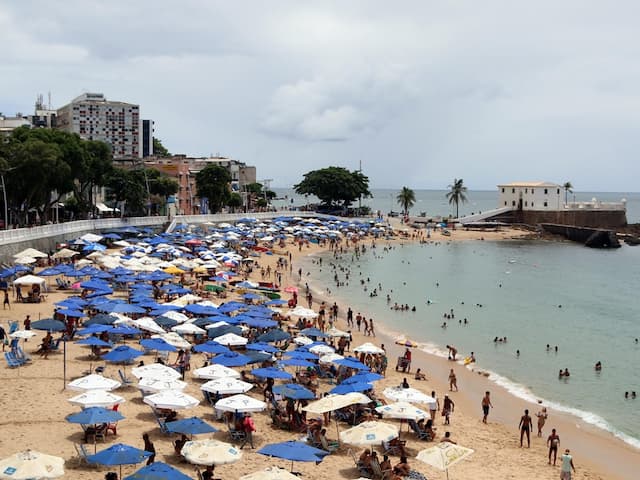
x,y
4,193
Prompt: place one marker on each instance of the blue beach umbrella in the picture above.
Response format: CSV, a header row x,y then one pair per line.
x,y
351,387
294,451
157,344
93,329
351,362
297,362
231,359
262,347
270,372
123,353
93,342
94,415
211,347
260,322
119,454
258,357
313,332
71,313
158,471
100,319
366,377
274,335
276,302
294,391
49,325
124,330
121,307
190,426
301,354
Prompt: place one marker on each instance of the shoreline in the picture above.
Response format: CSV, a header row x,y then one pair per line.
x,y
586,440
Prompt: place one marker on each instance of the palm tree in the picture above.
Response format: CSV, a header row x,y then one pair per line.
x,y
406,198
456,194
567,189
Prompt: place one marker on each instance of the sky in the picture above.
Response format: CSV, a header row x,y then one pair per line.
x,y
419,92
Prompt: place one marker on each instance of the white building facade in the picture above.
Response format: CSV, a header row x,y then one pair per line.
x,y
531,196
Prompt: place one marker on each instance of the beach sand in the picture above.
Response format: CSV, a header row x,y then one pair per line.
x,y
35,404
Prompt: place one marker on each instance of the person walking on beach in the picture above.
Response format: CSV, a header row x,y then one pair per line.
x,y
149,447
525,427
567,466
453,381
435,406
553,441
3,337
6,303
447,409
486,405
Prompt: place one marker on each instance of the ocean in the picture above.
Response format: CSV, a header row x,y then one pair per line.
x,y
534,293
434,202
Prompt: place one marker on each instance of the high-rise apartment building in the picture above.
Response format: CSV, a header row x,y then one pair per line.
x,y
93,117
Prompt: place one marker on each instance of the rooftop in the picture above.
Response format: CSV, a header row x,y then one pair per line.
x,y
530,184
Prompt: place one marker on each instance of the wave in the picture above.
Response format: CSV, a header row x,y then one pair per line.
x,y
520,391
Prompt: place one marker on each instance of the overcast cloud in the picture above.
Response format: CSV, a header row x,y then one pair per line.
x,y
419,91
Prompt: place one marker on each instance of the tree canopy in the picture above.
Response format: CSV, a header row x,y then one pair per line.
x,y
334,185
457,194
159,149
212,183
406,199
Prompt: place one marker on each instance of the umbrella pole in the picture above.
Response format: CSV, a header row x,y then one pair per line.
x,y
64,363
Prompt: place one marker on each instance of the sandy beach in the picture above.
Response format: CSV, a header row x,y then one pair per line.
x,y
34,401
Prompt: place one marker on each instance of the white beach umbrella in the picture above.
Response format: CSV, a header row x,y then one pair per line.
x,y
303,312
335,332
215,371
188,329
302,340
148,384
25,260
368,348
403,411
410,395
240,403
185,299
94,382
31,465
172,400
221,323
210,452
156,371
66,253
330,358
335,402
444,455
97,398
370,433
148,324
322,349
23,334
271,473
231,339
172,338
177,316
91,237
30,252
226,386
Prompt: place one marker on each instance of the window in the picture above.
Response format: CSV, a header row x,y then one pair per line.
x,y
502,189
558,191
505,202
545,204
532,191
513,190
546,191
531,204
526,190
526,204
513,203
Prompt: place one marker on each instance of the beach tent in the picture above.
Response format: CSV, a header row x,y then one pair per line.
x,y
31,280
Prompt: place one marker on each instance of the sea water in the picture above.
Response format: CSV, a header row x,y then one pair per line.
x,y
584,301
434,202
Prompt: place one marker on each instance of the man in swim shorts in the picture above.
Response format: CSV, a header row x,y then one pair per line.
x,y
486,405
553,441
525,427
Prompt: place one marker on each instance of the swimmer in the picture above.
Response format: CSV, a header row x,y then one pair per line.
x,y
444,325
518,353
560,374
598,366
633,394
566,372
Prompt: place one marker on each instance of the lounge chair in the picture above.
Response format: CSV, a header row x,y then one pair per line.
x,y
362,470
328,446
82,454
236,435
379,473
162,425
123,378
421,434
12,362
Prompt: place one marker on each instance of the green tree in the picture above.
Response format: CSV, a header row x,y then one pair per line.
x,y
254,188
456,194
161,187
212,183
334,185
568,188
234,201
159,149
406,199
128,189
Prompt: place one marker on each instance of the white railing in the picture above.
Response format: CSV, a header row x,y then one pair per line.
x,y
479,217
597,205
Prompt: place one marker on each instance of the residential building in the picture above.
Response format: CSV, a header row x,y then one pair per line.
x,y
146,142
93,117
184,169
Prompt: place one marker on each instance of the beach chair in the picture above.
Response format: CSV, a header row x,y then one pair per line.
x,y
12,362
362,470
82,454
379,473
388,449
123,378
328,446
235,435
162,425
421,434
17,359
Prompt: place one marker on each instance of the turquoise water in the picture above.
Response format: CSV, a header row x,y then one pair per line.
x,y
434,202
520,285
